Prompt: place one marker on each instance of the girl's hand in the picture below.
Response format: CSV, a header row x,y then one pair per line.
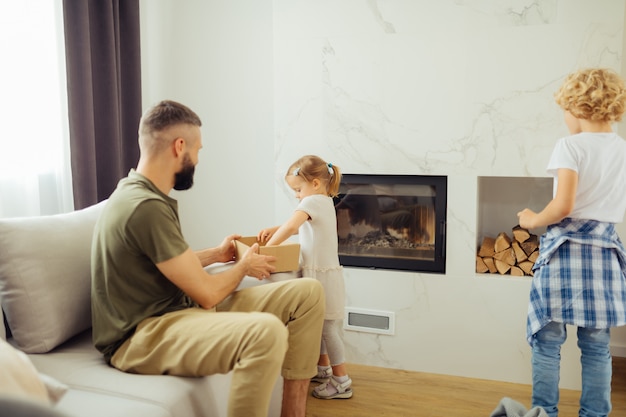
x,y
266,234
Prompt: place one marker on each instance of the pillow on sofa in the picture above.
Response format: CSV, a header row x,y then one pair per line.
x,y
45,277
55,388
18,376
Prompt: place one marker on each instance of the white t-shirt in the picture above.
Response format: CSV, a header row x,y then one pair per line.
x,y
600,161
318,244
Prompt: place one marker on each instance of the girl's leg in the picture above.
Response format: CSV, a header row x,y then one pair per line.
x,y
546,361
339,384
324,360
595,400
334,344
340,370
324,371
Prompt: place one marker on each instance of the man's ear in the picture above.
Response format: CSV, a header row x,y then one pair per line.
x,y
179,146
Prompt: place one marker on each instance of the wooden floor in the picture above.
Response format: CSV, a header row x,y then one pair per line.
x,y
382,392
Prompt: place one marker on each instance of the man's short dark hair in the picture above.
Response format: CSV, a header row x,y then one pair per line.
x,y
167,113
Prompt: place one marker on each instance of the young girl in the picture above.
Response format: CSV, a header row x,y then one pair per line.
x,y
315,182
580,274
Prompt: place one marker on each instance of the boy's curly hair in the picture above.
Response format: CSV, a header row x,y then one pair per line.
x,y
595,94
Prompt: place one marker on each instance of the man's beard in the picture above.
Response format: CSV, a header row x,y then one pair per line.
x,y
183,180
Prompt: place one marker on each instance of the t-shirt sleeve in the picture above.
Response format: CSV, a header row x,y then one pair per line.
x,y
310,205
155,229
563,156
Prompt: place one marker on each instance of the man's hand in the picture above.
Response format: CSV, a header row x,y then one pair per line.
x,y
226,249
257,266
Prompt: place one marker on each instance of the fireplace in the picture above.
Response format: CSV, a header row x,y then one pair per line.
x,y
392,222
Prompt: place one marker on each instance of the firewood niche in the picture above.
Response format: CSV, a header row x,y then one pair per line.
x,y
506,255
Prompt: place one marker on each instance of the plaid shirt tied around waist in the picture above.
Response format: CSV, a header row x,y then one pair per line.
x,y
579,277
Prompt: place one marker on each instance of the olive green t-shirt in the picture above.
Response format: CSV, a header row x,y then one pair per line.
x,y
138,228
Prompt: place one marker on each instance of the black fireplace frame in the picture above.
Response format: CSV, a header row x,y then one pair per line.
x,y
437,264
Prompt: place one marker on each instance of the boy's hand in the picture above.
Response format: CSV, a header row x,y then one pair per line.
x,y
527,218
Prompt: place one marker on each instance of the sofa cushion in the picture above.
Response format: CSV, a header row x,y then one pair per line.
x,y
45,277
81,367
20,407
79,403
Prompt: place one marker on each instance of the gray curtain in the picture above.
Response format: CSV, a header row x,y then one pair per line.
x,y
104,93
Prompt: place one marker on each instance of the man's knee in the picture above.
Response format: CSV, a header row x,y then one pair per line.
x,y
312,304
271,331
311,289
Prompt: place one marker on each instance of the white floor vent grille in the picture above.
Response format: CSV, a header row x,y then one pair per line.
x,y
371,321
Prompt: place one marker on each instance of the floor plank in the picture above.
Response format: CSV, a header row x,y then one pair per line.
x,y
395,393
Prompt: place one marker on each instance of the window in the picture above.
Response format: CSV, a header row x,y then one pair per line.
x,y
35,175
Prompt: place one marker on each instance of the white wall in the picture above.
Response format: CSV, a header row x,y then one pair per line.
x,y
457,88
216,57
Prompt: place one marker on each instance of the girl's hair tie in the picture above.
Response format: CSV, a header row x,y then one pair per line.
x,y
296,172
330,169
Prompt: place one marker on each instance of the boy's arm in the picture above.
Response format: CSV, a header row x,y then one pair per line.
x,y
557,209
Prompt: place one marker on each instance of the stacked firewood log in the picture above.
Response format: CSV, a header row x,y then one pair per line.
x,y
514,255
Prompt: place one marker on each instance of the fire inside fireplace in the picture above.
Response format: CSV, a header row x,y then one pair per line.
x,y
392,222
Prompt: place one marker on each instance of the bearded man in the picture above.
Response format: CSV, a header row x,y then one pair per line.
x,y
155,310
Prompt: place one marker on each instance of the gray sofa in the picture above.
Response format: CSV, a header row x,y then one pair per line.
x,y
45,297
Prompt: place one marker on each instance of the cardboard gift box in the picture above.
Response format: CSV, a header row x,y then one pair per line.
x,y
287,254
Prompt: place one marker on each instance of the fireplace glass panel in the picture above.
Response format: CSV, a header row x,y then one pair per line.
x,y
392,221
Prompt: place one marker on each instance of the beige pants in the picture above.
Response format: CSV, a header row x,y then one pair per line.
x,y
254,332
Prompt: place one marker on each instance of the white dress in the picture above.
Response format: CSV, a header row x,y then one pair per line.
x,y
318,245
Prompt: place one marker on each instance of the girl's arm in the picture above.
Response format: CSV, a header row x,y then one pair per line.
x,y
557,209
265,234
289,228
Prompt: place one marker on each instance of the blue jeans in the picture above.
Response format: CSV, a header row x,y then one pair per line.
x,y
595,400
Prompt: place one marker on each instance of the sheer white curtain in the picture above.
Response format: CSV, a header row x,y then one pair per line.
x,y
35,174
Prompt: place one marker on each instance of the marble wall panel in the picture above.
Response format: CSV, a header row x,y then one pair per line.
x,y
457,88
